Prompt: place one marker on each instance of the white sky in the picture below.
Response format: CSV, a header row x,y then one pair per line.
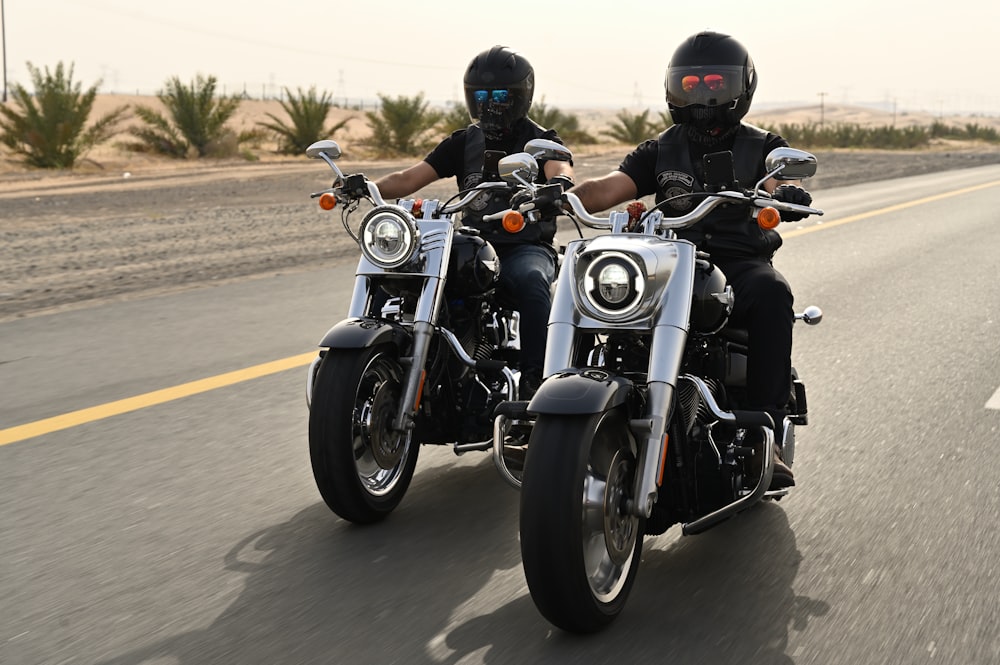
x,y
586,53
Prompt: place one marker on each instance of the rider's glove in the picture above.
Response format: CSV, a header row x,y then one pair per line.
x,y
792,194
562,180
352,187
548,200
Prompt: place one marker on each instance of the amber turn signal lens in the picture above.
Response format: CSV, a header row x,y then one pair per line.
x,y
513,222
328,201
768,218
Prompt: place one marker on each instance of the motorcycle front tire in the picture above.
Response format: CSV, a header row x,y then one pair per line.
x,y
580,548
362,466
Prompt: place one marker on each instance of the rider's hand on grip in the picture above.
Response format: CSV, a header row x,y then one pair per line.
x,y
353,187
792,194
547,202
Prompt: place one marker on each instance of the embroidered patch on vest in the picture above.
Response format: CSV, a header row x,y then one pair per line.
x,y
480,202
675,183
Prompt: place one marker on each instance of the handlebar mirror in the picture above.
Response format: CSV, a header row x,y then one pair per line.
x,y
546,149
330,148
793,164
519,168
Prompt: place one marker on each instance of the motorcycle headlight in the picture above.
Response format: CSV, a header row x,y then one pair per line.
x,y
388,237
614,284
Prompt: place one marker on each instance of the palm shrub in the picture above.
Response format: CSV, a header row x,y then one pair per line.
x,y
403,126
456,117
631,128
566,124
49,129
194,123
307,112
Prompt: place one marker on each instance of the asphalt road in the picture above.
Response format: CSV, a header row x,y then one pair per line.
x,y
183,527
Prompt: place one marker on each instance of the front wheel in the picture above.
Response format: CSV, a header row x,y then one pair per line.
x,y
580,547
362,466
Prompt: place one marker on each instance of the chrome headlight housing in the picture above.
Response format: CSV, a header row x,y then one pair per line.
x,y
389,237
614,284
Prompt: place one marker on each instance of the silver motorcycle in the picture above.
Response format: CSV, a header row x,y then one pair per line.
x,y
641,421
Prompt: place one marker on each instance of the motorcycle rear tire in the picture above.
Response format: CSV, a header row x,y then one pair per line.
x,y
361,466
579,547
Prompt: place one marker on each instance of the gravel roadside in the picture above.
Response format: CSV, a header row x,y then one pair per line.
x,y
72,240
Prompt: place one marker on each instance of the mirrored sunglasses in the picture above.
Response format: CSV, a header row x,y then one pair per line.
x,y
711,81
499,96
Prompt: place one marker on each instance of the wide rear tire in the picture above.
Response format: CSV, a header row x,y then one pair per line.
x,y
362,467
580,548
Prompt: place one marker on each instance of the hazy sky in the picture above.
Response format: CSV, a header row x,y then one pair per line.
x,y
585,52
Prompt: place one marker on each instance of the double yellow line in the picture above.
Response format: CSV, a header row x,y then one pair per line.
x,y
74,418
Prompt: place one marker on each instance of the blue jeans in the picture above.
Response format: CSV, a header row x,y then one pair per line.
x,y
526,276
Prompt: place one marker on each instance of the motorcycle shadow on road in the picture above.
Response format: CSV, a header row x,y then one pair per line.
x,y
723,597
320,590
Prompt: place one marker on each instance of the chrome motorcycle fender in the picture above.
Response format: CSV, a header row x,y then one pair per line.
x,y
363,333
578,391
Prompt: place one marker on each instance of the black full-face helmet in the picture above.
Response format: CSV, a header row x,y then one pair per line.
x,y
499,84
710,83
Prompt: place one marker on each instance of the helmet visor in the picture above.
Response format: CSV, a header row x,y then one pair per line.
x,y
707,86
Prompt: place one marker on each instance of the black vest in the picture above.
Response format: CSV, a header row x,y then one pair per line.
x,y
488,203
729,230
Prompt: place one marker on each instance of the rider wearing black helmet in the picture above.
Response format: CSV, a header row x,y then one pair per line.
x,y
710,82
499,85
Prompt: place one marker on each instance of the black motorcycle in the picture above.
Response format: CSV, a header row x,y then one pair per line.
x,y
426,352
642,420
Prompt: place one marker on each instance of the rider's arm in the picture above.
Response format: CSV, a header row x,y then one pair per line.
x,y
602,193
407,181
554,167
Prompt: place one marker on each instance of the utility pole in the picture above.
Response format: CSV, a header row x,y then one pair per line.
x,y
822,107
3,37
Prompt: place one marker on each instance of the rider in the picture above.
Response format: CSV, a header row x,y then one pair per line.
x,y
710,82
499,84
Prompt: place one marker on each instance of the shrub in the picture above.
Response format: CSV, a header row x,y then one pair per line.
x,y
307,112
631,128
196,120
456,117
49,130
403,126
566,124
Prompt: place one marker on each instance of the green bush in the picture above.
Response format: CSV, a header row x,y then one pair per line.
x,y
566,124
456,117
49,130
307,112
403,126
631,128
196,122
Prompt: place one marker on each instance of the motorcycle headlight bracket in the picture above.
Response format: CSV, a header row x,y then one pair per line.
x,y
388,237
614,284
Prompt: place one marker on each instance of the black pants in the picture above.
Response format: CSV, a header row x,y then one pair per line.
x,y
764,308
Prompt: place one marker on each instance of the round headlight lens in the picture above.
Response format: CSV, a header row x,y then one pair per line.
x,y
614,284
388,238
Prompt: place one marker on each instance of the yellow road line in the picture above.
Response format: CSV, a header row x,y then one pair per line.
x,y
882,211
74,418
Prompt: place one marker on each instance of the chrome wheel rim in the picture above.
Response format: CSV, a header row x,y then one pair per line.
x,y
380,452
609,530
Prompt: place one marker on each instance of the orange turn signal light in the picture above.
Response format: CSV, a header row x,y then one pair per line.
x,y
513,222
768,218
327,201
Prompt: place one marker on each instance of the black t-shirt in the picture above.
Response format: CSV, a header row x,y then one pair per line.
x,y
640,164
448,158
